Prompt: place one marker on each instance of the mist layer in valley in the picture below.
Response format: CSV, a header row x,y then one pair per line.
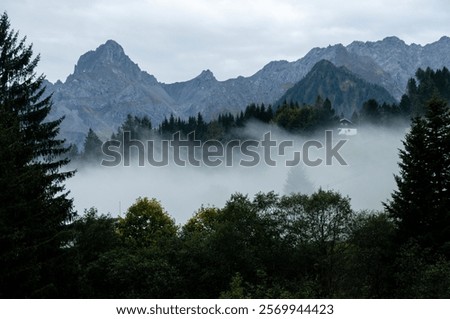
x,y
371,157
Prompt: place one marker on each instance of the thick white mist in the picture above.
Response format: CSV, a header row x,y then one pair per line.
x,y
181,190
371,155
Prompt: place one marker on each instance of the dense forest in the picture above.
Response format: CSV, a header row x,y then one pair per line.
x,y
266,246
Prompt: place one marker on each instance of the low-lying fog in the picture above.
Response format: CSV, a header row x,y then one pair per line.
x,y
371,155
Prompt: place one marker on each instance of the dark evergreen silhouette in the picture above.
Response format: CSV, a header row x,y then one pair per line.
x,y
430,83
92,151
420,206
34,206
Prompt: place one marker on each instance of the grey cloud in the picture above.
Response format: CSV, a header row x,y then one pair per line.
x,y
176,39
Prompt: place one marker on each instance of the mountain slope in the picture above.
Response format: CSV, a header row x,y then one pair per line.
x,y
268,84
346,91
400,60
389,63
106,86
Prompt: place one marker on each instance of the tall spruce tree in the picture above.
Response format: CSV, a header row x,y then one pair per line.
x,y
34,207
421,205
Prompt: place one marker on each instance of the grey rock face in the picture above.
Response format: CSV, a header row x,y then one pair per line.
x,y
346,91
106,85
400,60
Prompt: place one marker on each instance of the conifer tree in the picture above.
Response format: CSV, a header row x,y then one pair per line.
x,y
92,148
34,208
421,204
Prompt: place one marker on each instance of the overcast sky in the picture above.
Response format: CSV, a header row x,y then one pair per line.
x,y
176,39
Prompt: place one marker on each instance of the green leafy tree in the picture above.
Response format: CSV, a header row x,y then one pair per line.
x,y
369,270
146,224
317,228
132,273
35,207
198,261
240,238
94,236
143,264
419,276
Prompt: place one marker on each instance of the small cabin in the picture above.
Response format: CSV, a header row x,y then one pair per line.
x,y
346,127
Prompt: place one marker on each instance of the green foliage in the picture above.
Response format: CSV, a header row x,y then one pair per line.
x,y
427,85
202,222
289,258
219,128
139,128
196,257
294,246
370,256
317,227
236,291
130,257
146,224
263,289
432,84
125,273
419,206
418,276
35,209
93,236
306,119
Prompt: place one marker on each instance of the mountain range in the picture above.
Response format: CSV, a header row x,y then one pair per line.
x,y
106,85
346,91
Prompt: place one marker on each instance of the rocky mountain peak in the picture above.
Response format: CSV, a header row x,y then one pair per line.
x,y
323,65
109,55
206,75
275,65
393,40
111,52
107,85
338,48
113,46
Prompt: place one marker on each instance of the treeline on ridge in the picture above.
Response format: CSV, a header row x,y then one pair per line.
x,y
291,116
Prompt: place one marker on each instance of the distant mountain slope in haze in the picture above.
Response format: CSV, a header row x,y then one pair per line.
x,y
201,94
400,60
106,85
345,90
268,84
362,66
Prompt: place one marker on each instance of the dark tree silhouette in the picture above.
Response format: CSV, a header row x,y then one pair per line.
x,y
34,205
